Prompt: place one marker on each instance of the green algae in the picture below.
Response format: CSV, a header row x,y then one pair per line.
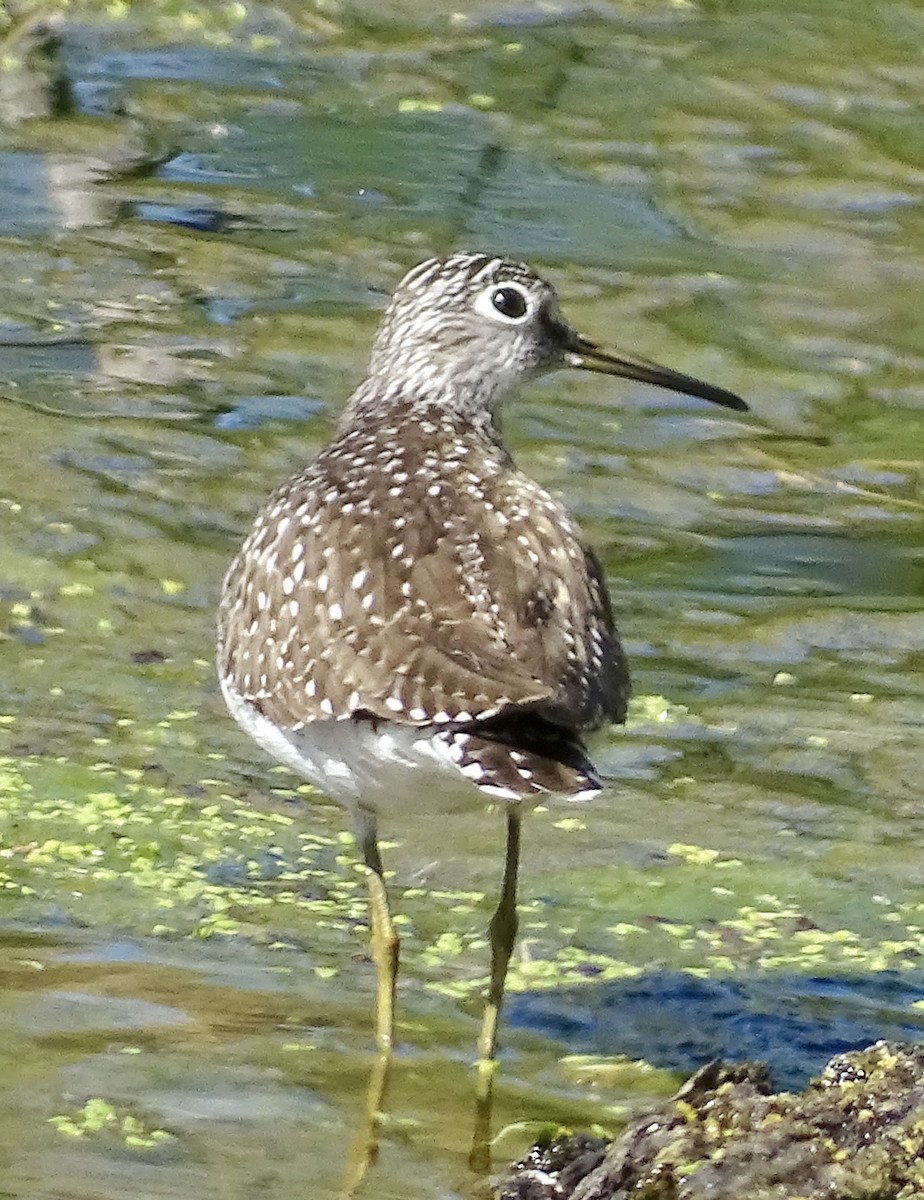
x,y
93,840
103,842
105,837
99,1117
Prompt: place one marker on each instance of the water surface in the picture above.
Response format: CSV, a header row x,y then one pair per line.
x,y
195,258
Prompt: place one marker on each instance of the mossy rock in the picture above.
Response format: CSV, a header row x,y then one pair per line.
x,y
855,1133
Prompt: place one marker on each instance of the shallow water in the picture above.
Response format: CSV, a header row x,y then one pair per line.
x,y
194,263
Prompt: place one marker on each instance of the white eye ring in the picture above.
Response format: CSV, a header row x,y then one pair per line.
x,y
507,303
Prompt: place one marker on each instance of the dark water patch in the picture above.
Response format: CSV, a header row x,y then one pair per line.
x,y
28,355
793,1023
24,206
90,56
250,412
813,565
202,219
445,172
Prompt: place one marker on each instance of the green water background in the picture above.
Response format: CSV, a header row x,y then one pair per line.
x,y
732,188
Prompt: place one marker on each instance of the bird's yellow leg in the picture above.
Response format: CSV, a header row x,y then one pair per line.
x,y
385,956
502,932
384,944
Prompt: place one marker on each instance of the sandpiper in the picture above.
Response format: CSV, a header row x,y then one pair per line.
x,y
412,621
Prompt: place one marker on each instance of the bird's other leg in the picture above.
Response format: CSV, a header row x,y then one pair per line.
x,y
384,939
502,932
384,944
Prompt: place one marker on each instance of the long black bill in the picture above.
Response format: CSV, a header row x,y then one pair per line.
x,y
583,353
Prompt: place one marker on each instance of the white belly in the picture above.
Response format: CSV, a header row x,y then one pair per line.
x,y
389,768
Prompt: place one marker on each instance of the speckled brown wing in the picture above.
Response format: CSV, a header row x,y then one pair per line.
x,y
385,582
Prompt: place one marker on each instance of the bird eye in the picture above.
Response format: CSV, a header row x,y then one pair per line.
x,y
510,302
506,302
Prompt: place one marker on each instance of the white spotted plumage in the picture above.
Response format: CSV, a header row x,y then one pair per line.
x,y
412,621
412,594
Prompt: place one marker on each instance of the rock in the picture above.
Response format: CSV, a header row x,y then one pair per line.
x,y
855,1133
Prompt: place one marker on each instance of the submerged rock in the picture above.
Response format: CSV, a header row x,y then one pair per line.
x,y
855,1133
